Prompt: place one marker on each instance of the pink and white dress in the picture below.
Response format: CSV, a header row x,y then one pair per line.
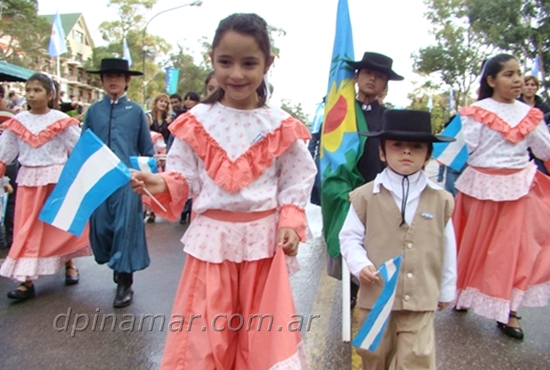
x,y
502,210
43,143
251,174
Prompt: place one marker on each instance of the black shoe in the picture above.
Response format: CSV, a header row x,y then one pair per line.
x,y
115,277
151,218
124,292
510,331
71,279
22,292
461,309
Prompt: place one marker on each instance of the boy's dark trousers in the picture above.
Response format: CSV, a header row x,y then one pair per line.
x,y
11,172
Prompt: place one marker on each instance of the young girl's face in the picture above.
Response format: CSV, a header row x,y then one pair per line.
x,y
508,83
405,157
162,104
190,103
240,66
36,95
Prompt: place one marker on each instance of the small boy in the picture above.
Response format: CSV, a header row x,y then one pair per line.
x,y
403,212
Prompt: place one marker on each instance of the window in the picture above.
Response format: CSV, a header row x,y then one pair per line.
x,y
79,58
79,36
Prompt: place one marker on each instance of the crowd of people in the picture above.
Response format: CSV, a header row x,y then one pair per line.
x,y
243,168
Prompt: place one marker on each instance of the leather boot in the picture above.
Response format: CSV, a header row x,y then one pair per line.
x,y
124,292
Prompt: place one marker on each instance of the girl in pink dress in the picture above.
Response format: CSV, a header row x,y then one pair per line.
x,y
248,165
43,139
503,205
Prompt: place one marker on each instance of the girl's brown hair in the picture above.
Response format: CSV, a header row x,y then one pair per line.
x,y
248,24
154,109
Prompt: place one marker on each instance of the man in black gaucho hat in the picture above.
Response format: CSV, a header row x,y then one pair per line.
x,y
117,234
402,214
372,74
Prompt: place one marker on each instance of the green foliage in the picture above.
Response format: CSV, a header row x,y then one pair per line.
x,y
520,27
459,50
296,111
27,33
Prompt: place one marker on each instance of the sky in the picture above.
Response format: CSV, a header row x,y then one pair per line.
x,y
396,28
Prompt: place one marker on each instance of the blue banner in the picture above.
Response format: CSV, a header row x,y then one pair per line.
x,y
172,77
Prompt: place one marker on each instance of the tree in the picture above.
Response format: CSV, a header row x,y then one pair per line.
x,y
27,34
130,26
459,51
520,27
296,111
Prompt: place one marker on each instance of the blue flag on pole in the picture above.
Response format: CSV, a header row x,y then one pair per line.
x,y
92,173
144,164
430,103
371,332
453,154
172,77
536,67
126,53
57,45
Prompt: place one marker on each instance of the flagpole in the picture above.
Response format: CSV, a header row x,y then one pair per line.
x,y
58,71
346,297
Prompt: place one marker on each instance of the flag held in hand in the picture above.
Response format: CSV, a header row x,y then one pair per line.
x,y
92,173
144,164
371,333
452,154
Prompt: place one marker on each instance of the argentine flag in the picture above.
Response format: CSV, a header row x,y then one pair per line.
x,y
453,154
144,164
92,173
371,333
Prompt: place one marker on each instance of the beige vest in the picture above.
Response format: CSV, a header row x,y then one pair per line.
x,y
421,244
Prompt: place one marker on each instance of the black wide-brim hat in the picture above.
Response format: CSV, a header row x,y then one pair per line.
x,y
378,62
407,125
115,65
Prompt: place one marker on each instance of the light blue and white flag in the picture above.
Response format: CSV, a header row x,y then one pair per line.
x,y
92,173
317,121
371,332
144,164
453,154
126,53
430,104
535,70
57,45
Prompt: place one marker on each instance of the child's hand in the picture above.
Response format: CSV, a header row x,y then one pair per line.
x,y
288,240
442,305
140,180
8,188
368,275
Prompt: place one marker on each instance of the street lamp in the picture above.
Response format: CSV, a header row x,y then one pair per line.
x,y
194,3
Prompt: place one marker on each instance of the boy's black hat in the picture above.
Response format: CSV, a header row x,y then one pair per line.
x,y
407,125
116,65
378,62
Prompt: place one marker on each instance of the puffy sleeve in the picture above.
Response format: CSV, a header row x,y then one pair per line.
x,y
182,180
296,173
472,132
539,141
70,136
8,149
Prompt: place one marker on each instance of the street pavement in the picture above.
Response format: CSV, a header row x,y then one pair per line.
x,y
51,331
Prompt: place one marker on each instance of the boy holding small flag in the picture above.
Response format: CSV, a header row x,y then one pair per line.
x,y
402,212
117,234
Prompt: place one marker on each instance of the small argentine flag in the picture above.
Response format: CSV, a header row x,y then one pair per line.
x,y
371,333
92,173
144,164
453,154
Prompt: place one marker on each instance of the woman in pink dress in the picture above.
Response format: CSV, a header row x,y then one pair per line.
x,y
503,205
43,139
249,167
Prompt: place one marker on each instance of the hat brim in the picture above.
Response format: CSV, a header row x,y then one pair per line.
x,y
124,72
416,137
392,76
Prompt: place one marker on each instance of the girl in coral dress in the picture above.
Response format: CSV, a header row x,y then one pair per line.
x,y
249,166
43,139
503,205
